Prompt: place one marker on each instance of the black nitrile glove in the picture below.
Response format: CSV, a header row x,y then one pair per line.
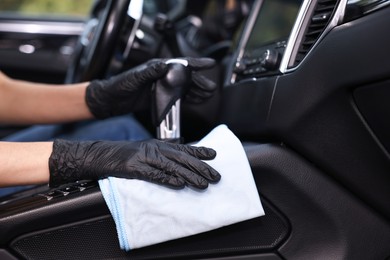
x,y
120,94
131,90
201,87
168,164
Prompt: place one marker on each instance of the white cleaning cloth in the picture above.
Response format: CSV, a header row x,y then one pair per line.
x,y
146,213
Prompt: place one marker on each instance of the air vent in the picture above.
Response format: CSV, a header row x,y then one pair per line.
x,y
317,24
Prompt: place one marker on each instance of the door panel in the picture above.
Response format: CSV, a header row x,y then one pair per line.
x,y
37,50
37,38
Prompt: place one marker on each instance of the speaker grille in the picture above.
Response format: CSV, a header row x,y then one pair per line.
x,y
97,239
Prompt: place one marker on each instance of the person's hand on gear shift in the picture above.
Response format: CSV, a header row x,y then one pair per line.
x,y
131,90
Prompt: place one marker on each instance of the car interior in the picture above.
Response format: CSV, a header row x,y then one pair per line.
x,y
304,85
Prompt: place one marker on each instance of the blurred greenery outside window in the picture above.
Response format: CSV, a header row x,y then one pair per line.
x,y
46,8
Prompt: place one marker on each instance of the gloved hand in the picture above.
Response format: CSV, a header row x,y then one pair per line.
x,y
131,90
168,164
201,87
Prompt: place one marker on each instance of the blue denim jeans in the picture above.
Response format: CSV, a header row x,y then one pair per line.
x,y
114,129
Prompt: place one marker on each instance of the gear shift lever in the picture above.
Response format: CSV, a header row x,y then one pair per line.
x,y
167,93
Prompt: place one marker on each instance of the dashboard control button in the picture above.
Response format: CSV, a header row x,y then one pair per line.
x,y
270,59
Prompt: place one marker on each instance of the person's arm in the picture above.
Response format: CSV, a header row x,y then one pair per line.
x,y
61,162
23,102
24,163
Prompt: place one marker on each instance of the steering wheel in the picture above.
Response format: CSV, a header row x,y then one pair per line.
x,y
96,45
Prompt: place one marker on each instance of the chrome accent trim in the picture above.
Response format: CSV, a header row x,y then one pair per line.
x,y
135,12
170,126
335,20
131,38
338,16
58,28
293,40
245,37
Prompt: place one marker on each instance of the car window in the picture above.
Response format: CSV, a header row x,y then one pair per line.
x,y
46,8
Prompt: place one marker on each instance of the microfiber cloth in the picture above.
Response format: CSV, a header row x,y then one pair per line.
x,y
147,214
